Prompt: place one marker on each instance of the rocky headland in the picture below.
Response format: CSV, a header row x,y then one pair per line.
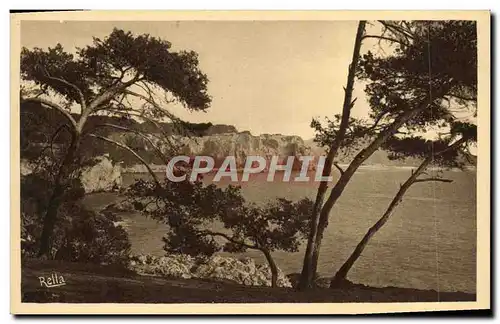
x,y
101,175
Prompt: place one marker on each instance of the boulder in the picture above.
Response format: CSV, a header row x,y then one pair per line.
x,y
169,265
101,176
26,167
241,271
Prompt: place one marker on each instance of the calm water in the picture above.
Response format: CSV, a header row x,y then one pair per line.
x,y
429,242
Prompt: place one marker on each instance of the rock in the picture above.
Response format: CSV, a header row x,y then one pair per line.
x,y
243,144
323,282
124,205
240,145
217,267
143,259
26,167
170,266
244,272
220,129
101,176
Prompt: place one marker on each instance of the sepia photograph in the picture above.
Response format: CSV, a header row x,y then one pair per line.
x,y
182,162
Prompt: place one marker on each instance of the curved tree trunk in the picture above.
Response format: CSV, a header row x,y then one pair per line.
x,y
323,216
341,275
309,267
273,266
361,157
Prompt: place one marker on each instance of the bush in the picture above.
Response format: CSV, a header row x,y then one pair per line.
x,y
191,208
92,237
80,235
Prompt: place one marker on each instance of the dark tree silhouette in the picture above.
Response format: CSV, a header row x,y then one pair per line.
x,y
309,267
431,73
103,78
439,153
191,209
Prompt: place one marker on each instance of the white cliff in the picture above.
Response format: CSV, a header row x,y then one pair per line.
x,y
241,145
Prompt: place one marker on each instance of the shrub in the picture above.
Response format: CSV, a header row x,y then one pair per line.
x,y
80,235
190,210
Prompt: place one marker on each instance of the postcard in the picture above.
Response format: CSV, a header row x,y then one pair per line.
x,y
250,162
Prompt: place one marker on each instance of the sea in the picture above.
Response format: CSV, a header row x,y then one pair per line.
x,y
429,241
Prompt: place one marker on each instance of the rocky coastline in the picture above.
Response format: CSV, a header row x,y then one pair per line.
x,y
242,271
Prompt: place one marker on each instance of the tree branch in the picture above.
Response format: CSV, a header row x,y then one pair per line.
x,y
397,29
131,112
377,121
54,136
175,120
122,74
110,93
230,239
55,106
103,98
452,146
389,39
71,85
131,151
152,102
158,151
338,168
352,103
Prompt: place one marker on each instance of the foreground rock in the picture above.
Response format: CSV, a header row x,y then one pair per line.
x,y
244,271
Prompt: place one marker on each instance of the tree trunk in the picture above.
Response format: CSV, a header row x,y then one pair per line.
x,y
54,202
308,269
325,211
341,274
307,275
273,266
360,158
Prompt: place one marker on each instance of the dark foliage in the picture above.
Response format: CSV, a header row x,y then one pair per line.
x,y
439,66
80,235
191,209
427,79
45,129
101,79
434,62
103,64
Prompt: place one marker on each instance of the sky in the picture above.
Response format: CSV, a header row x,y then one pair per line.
x,y
265,76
